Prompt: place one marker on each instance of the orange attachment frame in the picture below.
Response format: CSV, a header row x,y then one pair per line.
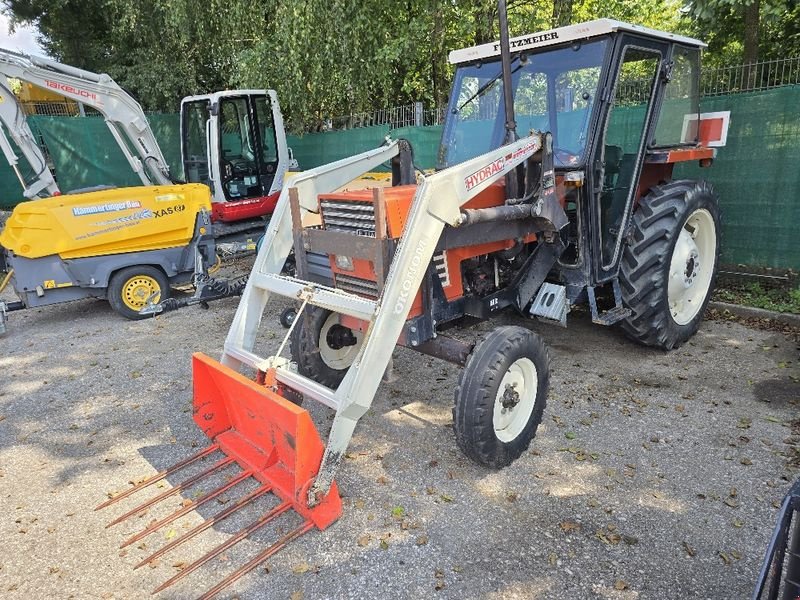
x,y
264,433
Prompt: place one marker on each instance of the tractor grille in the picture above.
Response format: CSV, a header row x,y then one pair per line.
x,y
356,285
353,217
440,264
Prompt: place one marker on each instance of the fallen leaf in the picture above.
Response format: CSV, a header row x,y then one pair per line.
x,y
382,480
360,503
567,526
170,534
689,550
738,523
364,540
570,435
384,545
422,540
398,512
725,558
731,502
512,496
620,584
446,498
746,461
298,595
301,568
552,558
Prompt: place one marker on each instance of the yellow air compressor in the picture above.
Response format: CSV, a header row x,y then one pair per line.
x,y
127,245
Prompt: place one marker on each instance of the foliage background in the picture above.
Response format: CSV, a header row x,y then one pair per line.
x,y
328,58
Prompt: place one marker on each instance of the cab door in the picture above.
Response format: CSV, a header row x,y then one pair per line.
x,y
240,172
628,119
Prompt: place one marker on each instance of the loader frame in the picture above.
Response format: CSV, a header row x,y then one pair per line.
x,y
437,203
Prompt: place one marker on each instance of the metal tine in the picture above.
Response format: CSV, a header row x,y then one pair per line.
x,y
255,525
159,476
186,509
208,523
172,491
257,560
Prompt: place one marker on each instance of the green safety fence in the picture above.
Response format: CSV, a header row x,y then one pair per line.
x,y
757,178
755,174
82,152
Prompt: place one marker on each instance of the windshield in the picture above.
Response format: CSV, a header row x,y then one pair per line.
x,y
554,91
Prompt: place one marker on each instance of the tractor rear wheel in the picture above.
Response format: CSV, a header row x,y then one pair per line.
x,y
131,288
501,396
322,348
668,272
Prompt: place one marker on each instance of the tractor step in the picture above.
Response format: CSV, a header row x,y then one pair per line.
x,y
551,304
277,450
612,315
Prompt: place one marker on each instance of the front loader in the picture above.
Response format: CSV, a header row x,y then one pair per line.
x,y
581,208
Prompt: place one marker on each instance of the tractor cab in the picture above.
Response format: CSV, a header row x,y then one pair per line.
x,y
234,143
622,105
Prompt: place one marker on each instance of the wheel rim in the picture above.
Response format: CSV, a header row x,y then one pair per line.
x,y
137,290
337,358
692,266
515,400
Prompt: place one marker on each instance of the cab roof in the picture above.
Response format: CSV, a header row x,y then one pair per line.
x,y
570,33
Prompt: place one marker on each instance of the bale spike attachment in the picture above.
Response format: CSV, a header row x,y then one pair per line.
x,y
272,439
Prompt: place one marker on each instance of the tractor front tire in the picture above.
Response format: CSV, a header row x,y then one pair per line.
x,y
669,270
322,348
130,289
501,396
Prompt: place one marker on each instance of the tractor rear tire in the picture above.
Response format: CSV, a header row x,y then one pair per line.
x,y
317,348
131,287
668,271
501,396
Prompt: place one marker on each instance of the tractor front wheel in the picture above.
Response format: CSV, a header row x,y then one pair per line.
x,y
131,288
322,348
501,396
668,272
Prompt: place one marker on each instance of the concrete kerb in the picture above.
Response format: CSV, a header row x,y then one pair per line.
x,y
749,312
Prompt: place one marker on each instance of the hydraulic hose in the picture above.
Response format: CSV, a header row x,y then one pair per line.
x,y
6,279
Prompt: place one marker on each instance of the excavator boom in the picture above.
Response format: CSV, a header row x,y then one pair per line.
x,y
123,115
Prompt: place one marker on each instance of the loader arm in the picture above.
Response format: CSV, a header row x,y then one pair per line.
x,y
437,203
13,118
123,115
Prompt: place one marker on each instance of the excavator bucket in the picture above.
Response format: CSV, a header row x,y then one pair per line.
x,y
271,439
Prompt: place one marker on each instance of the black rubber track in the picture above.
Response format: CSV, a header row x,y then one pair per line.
x,y
475,395
644,270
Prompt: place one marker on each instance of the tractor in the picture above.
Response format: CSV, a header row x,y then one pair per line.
x,y
555,187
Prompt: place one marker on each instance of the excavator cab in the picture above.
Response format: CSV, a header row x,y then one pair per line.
x,y
234,143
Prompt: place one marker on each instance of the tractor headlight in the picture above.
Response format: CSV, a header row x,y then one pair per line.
x,y
345,263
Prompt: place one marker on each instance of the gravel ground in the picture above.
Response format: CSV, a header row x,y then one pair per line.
x,y
653,475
